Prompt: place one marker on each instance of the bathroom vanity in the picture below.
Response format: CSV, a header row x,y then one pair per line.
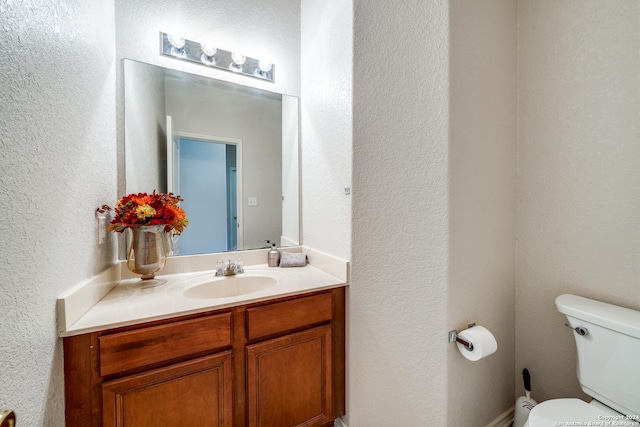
x,y
276,359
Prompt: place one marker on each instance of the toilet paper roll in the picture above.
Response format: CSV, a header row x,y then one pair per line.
x,y
484,343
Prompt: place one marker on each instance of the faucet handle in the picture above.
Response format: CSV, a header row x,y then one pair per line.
x,y
239,266
220,268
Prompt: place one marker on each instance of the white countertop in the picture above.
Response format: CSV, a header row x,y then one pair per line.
x,y
127,303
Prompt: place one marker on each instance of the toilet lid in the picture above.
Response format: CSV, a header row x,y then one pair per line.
x,y
551,412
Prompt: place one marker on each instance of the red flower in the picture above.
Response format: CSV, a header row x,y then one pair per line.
x,y
135,210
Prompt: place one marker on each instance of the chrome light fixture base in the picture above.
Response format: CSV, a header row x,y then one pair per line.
x,y
221,59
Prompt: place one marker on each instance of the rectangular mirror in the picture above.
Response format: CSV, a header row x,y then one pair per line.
x,y
230,151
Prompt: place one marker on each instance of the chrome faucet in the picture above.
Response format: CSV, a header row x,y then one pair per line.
x,y
230,268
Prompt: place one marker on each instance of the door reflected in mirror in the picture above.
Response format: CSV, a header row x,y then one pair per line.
x,y
205,175
230,151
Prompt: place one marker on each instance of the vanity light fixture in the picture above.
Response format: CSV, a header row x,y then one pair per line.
x,y
208,55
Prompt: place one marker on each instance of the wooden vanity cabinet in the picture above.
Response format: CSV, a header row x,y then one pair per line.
x,y
134,376
276,363
289,377
289,380
193,393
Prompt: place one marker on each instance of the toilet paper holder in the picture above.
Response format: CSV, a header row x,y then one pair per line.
x,y
453,337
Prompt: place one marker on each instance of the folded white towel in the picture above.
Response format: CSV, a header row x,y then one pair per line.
x,y
290,259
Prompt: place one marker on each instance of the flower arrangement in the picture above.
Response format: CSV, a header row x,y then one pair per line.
x,y
135,210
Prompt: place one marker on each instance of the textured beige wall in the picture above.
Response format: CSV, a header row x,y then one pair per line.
x,y
57,163
326,124
398,293
578,174
482,193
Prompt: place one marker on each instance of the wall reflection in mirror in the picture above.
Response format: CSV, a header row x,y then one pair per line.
x,y
230,151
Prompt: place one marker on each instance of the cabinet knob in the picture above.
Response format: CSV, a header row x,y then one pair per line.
x,y
7,418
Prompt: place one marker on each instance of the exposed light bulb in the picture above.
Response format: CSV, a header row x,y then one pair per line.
x,y
238,59
176,41
265,66
208,49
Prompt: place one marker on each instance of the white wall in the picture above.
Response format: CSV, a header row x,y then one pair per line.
x,y
578,174
482,192
326,123
397,353
577,195
434,210
58,163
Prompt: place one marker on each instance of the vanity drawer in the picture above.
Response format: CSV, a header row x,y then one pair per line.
x,y
142,347
286,316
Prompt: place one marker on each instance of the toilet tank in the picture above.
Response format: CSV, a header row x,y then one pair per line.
x,y
608,365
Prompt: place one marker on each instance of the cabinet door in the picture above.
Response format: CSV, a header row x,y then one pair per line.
x,y
197,393
289,380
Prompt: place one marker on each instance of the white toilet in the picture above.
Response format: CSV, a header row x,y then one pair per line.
x,y
608,345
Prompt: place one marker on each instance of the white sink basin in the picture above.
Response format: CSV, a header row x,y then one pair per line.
x,y
230,286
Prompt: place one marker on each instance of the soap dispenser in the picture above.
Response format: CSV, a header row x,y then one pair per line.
x,y
274,256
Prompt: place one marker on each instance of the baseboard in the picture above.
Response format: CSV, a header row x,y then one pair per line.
x,y
340,422
504,420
